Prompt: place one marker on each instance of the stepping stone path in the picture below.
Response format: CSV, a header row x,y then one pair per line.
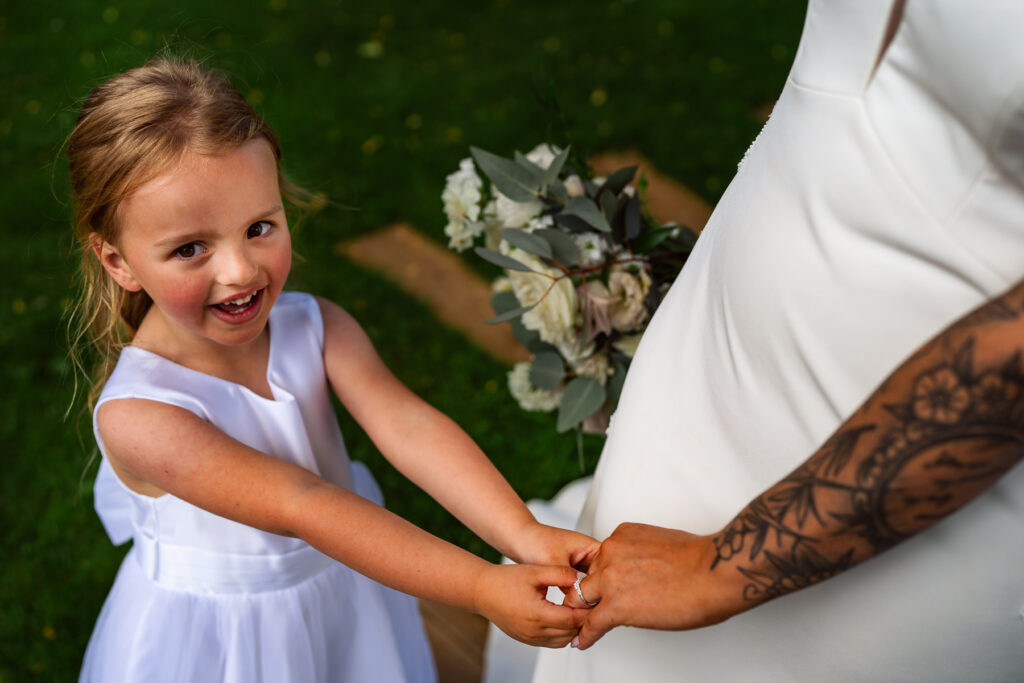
x,y
462,299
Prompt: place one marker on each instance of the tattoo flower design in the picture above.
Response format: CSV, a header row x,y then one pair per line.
x,y
939,397
992,395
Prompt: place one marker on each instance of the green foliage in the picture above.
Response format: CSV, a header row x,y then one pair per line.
x,y
374,103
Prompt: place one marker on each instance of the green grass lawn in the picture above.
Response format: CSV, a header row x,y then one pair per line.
x,y
375,103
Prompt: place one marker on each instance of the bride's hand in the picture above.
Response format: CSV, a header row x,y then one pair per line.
x,y
514,598
651,577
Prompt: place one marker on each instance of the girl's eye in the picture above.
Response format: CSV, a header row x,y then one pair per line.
x,y
188,251
258,229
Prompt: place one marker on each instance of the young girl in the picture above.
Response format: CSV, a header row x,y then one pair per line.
x,y
253,534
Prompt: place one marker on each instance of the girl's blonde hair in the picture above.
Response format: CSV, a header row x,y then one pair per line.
x,y
131,129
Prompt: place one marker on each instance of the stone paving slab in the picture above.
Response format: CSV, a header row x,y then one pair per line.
x,y
441,279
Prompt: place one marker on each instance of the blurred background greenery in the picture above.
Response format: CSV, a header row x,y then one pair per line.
x,y
375,102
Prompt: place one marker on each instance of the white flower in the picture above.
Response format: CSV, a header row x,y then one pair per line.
x,y
543,154
501,284
627,345
585,362
462,233
630,309
540,222
591,246
554,316
574,186
528,396
461,197
513,214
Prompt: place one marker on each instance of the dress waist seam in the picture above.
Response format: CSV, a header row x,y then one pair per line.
x,y
198,570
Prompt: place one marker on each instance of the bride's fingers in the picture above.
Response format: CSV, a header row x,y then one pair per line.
x,y
597,624
588,593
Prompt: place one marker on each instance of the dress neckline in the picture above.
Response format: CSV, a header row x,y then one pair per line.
x,y
280,395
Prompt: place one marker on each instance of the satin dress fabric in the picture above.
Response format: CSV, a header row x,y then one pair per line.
x,y
883,200
200,598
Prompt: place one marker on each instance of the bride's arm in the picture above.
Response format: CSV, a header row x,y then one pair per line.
x,y
942,428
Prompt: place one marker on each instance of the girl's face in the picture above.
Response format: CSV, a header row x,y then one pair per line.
x,y
208,241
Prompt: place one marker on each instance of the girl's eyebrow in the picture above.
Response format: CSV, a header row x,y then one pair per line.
x,y
199,235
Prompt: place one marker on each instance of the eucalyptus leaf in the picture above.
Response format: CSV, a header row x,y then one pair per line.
x,y
512,179
556,189
535,171
509,315
573,223
621,365
583,397
650,239
611,205
500,259
530,339
551,174
632,218
586,209
618,180
563,247
504,301
547,370
528,242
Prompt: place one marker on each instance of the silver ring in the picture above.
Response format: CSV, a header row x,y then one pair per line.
x,y
579,592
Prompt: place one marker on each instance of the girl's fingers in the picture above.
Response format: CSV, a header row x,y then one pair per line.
x,y
558,616
561,577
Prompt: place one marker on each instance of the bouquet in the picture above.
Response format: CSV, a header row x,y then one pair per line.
x,y
585,267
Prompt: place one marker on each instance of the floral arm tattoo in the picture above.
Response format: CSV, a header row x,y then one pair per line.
x,y
941,429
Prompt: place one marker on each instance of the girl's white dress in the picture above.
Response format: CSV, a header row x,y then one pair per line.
x,y
200,598
877,206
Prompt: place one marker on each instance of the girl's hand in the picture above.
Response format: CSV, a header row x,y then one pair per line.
x,y
542,544
513,598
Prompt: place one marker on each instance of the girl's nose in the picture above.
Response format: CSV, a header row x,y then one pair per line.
x,y
237,267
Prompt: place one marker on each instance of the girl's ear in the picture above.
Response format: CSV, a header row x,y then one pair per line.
x,y
112,261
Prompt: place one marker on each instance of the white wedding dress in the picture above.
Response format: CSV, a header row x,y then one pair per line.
x,y
883,200
202,599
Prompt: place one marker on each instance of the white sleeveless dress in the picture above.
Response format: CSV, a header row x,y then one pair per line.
x,y
876,207
200,598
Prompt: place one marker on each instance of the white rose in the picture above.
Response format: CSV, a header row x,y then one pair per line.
x,y
461,195
554,316
461,198
629,310
513,214
528,396
462,233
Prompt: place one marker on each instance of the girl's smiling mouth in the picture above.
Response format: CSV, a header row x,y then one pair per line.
x,y
239,310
